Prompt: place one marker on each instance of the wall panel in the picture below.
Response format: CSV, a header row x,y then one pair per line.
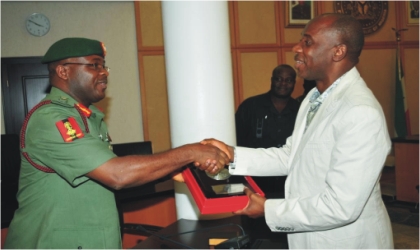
x,y
411,72
256,23
255,72
156,96
150,21
380,81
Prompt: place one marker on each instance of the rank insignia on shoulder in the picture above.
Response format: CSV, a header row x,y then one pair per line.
x,y
69,129
87,112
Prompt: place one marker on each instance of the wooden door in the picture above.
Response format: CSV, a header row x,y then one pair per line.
x,y
24,83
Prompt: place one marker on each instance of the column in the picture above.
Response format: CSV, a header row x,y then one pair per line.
x,y
200,82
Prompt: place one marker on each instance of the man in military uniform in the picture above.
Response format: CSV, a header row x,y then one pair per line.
x,y
68,169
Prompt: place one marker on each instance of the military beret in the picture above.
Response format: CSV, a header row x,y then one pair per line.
x,y
73,47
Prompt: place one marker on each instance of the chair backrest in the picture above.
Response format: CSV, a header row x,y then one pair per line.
x,y
133,148
10,167
130,194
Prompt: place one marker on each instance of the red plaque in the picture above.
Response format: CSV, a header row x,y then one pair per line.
x,y
213,197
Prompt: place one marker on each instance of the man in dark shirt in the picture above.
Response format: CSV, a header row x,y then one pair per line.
x,y
267,120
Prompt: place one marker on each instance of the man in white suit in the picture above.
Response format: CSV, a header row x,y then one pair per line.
x,y
335,155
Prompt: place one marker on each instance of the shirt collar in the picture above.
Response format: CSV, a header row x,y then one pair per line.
x,y
318,97
60,96
291,106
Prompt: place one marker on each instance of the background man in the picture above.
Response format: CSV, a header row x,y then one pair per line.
x,y
68,169
266,120
335,155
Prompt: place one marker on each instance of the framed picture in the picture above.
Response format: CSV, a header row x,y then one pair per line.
x,y
412,12
299,13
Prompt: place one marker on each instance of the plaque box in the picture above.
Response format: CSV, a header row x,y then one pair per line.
x,y
208,202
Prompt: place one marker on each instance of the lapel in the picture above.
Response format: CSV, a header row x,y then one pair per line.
x,y
330,104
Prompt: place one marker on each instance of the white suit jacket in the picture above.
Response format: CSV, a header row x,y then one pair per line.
x,y
333,198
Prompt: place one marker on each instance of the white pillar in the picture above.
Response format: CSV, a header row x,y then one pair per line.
x,y
200,82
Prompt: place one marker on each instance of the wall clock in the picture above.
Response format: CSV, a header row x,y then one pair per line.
x,y
371,14
37,24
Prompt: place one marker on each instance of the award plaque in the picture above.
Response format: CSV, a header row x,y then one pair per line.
x,y
218,196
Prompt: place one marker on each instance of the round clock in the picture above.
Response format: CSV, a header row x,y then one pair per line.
x,y
37,24
371,14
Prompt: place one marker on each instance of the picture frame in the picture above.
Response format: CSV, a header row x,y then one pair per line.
x,y
412,8
299,13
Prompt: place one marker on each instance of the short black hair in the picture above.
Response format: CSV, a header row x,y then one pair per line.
x,y
351,33
282,67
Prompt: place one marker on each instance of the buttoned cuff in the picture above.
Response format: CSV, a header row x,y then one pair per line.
x,y
232,165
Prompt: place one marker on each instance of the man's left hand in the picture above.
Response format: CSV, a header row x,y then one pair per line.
x,y
255,206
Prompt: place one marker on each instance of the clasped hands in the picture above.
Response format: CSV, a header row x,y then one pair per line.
x,y
255,206
209,156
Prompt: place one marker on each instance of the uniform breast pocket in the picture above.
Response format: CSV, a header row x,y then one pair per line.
x,y
76,238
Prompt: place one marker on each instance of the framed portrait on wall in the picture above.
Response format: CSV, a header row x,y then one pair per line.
x,y
412,12
299,13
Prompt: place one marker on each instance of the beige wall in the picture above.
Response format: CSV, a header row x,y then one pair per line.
x,y
114,23
110,22
259,52
260,40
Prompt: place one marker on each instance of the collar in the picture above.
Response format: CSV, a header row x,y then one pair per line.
x,y
58,96
291,106
318,98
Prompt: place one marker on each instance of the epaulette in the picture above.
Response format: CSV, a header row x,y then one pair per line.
x,y
62,100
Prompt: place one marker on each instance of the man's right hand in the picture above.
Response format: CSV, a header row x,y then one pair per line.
x,y
221,145
210,158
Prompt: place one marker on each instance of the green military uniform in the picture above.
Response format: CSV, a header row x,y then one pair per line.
x,y
63,208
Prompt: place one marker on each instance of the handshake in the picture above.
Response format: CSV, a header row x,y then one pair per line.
x,y
209,155
212,156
